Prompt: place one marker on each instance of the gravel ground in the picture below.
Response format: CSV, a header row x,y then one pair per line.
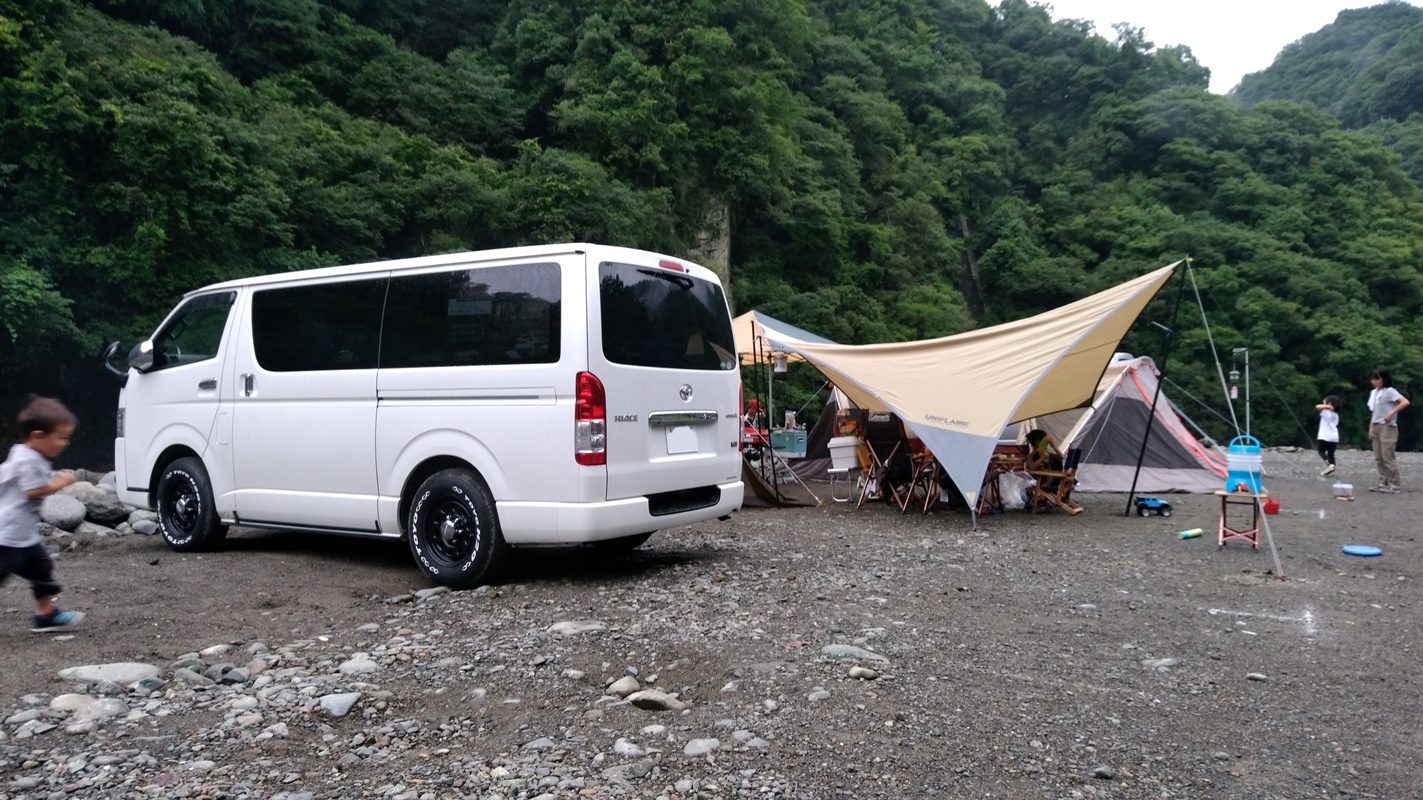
x,y
797,653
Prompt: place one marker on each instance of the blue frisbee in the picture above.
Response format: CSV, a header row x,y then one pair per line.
x,y
1362,550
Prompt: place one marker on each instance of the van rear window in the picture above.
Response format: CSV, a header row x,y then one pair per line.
x,y
655,317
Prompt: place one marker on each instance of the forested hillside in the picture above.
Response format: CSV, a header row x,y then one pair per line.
x,y
1366,68
868,171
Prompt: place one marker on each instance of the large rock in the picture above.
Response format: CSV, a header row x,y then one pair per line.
x,y
122,672
82,491
62,511
106,509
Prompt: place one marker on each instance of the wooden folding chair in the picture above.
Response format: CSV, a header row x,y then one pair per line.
x,y
1053,487
924,483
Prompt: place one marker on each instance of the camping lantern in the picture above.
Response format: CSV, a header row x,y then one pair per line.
x,y
1234,383
778,367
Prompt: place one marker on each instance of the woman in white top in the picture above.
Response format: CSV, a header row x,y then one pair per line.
x,y
1384,404
1328,437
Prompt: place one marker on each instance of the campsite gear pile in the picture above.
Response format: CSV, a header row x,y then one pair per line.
x,y
958,412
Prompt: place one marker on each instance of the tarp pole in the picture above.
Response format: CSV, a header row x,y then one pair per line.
x,y
1156,395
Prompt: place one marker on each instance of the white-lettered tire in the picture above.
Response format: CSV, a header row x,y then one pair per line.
x,y
187,515
622,543
454,530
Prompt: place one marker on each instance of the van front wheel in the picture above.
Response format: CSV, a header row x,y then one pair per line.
x,y
454,530
187,515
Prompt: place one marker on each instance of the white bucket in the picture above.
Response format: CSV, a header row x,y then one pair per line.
x,y
842,452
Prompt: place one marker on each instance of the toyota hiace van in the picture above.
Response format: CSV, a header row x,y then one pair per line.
x,y
469,403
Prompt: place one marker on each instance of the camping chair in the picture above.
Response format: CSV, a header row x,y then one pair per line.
x,y
928,475
1054,486
891,471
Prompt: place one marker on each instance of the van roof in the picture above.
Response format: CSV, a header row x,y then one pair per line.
x,y
449,259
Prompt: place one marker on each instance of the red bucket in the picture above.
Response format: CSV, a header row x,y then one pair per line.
x,y
1272,506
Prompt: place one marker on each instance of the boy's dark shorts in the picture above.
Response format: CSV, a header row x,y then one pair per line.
x,y
33,564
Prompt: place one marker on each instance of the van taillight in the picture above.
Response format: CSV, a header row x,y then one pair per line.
x,y
590,422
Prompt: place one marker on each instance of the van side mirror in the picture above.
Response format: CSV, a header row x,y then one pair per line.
x,y
107,361
140,358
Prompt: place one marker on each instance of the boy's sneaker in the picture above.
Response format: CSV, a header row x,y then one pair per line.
x,y
56,619
1329,470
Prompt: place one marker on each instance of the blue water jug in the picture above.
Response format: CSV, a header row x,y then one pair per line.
x,y
1242,461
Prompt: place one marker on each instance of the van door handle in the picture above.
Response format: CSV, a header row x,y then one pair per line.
x,y
246,384
210,383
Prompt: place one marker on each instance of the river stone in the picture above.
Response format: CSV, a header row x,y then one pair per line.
x,y
121,672
851,651
339,705
360,665
571,627
106,708
654,700
70,702
87,528
622,687
82,491
106,509
701,747
141,515
62,511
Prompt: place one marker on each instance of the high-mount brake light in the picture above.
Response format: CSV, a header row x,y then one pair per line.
x,y
590,421
665,264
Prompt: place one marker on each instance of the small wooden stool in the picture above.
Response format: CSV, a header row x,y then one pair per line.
x,y
1250,534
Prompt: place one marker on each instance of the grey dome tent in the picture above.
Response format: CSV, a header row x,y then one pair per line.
x,y
1110,433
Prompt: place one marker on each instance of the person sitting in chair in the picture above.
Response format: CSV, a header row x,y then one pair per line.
x,y
1042,453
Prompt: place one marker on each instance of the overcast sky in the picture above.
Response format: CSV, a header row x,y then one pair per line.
x,y
1231,37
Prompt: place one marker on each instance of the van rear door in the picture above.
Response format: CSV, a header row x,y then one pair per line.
x,y
660,342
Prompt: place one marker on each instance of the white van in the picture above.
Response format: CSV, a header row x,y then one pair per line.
x,y
530,396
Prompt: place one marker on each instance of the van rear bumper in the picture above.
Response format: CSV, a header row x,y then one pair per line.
x,y
577,523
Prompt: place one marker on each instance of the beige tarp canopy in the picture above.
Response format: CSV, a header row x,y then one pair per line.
x,y
758,337
958,392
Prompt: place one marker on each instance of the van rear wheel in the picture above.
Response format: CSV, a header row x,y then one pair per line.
x,y
454,530
187,515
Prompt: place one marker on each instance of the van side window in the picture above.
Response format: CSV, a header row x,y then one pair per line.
x,y
655,317
328,326
472,317
194,332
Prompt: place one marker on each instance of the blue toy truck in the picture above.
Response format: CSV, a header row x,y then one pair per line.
x,y
1146,505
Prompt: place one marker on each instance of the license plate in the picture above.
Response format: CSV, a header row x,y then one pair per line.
x,y
681,439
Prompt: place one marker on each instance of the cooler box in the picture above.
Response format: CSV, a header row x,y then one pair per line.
x,y
843,452
789,443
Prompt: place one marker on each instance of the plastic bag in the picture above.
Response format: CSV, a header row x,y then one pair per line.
x,y
1013,490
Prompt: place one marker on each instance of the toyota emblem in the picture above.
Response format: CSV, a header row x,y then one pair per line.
x,y
685,392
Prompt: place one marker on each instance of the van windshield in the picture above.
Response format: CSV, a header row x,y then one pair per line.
x,y
655,317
